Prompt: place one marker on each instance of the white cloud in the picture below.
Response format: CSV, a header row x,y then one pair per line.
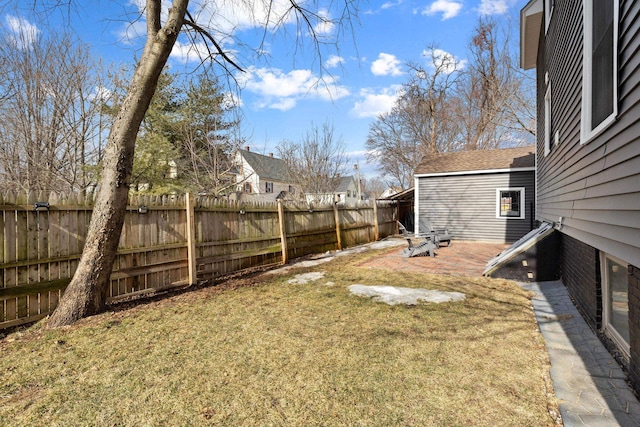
x,y
445,61
231,100
372,104
101,93
386,65
284,104
390,4
196,51
448,8
189,52
230,16
494,7
325,25
22,32
221,18
279,90
334,61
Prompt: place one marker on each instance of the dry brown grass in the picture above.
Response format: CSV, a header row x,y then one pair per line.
x,y
280,354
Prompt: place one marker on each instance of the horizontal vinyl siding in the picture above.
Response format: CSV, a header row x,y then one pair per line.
x,y
466,204
595,187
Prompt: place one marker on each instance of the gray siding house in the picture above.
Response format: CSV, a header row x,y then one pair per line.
x,y
485,195
587,59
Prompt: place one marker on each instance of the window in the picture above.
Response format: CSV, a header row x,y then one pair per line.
x,y
599,71
292,190
247,187
615,292
268,187
548,12
510,203
547,120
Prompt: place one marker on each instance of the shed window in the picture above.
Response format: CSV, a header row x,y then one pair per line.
x,y
510,203
599,79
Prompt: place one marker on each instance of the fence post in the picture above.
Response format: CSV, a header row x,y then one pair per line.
x,y
191,239
283,234
337,217
376,230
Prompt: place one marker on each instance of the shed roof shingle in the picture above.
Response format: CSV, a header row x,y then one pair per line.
x,y
478,160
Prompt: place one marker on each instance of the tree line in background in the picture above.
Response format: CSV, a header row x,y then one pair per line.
x,y
58,104
52,132
164,22
188,138
448,105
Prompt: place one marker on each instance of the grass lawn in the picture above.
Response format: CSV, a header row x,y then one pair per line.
x,y
262,351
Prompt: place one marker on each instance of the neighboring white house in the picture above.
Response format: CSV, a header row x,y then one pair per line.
x,y
261,177
390,191
346,193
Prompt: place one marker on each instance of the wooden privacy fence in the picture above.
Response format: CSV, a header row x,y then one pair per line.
x,y
166,242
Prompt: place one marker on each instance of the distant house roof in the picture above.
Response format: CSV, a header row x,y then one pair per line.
x,y
345,183
407,194
477,160
267,167
390,191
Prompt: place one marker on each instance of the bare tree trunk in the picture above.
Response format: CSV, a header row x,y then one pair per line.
x,y
86,294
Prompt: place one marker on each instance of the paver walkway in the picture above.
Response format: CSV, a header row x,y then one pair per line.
x,y
588,383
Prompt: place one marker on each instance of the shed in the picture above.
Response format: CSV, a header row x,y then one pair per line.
x,y
405,200
485,195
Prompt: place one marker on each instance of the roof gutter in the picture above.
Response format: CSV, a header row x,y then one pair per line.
x,y
425,175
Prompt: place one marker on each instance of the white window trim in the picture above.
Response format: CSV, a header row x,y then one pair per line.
x,y
606,320
548,13
547,120
522,203
587,134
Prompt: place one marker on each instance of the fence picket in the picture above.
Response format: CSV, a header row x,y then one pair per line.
x,y
41,248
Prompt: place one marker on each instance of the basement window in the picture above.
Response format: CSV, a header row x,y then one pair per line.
x,y
615,292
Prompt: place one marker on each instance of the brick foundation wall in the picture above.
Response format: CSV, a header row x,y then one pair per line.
x,y
634,326
580,268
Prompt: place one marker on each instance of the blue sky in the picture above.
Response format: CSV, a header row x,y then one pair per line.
x,y
281,94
